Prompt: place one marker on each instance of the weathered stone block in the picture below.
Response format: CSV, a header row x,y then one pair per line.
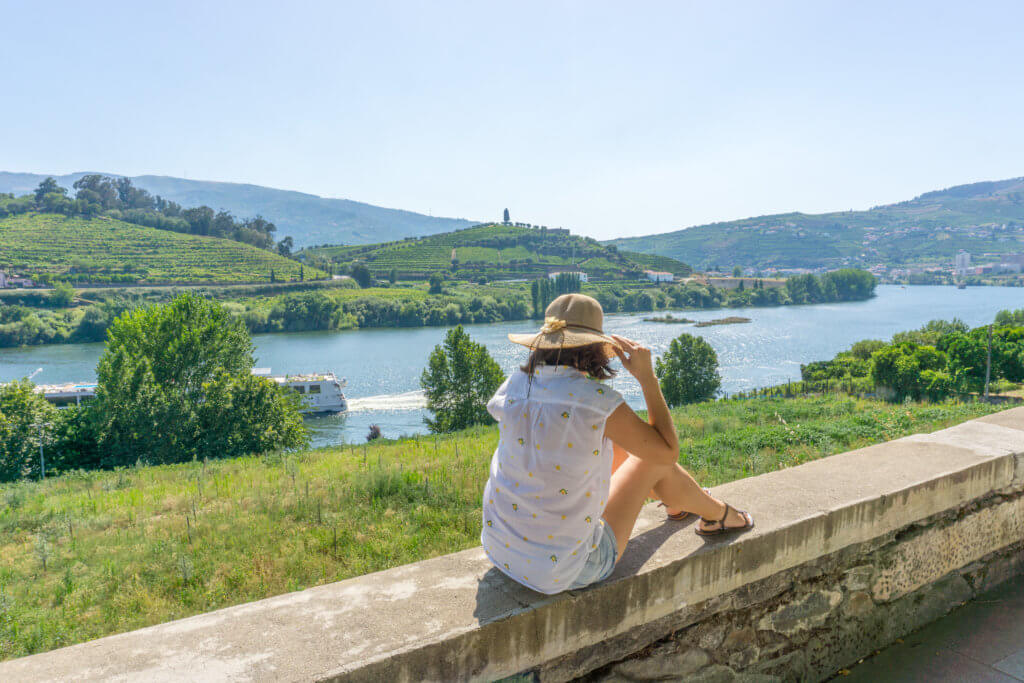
x,y
858,604
663,663
937,551
858,578
802,614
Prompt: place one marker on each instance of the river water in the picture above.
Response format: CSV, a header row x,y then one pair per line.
x,y
383,366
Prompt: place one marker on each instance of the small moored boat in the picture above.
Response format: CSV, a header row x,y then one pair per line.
x,y
321,391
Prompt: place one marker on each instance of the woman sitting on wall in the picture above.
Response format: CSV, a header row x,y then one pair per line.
x,y
574,463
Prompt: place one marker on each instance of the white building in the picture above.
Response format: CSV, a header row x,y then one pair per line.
x,y
659,275
579,273
963,262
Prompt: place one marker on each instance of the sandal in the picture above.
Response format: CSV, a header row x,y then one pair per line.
x,y
722,528
682,514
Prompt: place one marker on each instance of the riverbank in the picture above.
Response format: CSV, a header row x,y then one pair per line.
x,y
36,318
102,552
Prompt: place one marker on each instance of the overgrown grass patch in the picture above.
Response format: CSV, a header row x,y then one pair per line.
x,y
94,553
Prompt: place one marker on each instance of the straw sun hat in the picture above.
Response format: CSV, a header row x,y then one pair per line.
x,y
570,320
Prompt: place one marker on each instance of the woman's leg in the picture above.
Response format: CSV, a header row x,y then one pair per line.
x,y
632,481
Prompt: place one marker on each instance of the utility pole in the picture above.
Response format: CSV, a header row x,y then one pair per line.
x,y
988,361
41,426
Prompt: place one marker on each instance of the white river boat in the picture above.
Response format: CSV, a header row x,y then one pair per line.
x,y
321,391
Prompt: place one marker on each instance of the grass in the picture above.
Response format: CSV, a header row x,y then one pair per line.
x,y
103,249
90,554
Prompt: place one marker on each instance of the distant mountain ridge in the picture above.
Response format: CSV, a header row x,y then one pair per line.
x,y
308,218
983,217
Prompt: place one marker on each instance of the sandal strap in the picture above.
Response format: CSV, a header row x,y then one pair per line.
x,y
721,522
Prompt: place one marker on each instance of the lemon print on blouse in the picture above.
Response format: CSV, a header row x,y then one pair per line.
x,y
515,506
521,441
596,452
550,537
588,519
565,414
553,558
506,565
594,427
558,467
600,391
569,444
490,523
563,492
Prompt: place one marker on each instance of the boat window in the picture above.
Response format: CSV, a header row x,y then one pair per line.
x,y
301,388
314,388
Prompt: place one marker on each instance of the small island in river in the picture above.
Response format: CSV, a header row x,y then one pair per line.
x,y
731,320
667,318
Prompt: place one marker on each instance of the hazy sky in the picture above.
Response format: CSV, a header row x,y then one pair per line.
x,y
609,118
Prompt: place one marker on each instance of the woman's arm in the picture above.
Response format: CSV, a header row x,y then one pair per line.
x,y
656,439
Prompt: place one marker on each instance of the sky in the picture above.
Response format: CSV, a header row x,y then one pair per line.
x,y
609,118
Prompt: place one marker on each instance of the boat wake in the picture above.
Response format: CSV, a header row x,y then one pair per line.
x,y
410,400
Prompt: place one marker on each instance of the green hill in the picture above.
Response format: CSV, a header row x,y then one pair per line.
x,y
983,218
308,218
498,251
54,247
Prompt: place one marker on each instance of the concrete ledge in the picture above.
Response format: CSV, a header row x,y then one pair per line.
x,y
456,618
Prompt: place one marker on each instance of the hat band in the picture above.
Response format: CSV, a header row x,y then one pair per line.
x,y
585,327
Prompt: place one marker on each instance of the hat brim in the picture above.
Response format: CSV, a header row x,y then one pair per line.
x,y
567,338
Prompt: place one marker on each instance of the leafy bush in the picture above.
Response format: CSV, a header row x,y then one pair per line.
x,y
20,409
174,384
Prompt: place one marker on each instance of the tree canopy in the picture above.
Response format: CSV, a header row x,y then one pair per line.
x,y
459,379
688,371
174,384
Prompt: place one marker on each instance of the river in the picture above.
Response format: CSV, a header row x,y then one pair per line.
x,y
383,366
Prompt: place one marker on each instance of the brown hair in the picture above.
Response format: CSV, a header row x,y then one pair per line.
x,y
593,359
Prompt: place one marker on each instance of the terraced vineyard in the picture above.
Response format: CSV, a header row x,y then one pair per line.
x,y
105,250
498,252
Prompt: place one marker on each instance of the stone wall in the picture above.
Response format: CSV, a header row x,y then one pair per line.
x,y
849,552
808,622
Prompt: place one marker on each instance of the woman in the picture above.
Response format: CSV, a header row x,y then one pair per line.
x,y
574,463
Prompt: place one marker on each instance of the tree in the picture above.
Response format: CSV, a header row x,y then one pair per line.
x,y
899,370
436,281
737,271
21,408
62,295
284,247
393,276
48,186
361,274
459,379
505,217
174,384
302,274
688,372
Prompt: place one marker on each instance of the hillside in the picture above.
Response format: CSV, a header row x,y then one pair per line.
x,y
308,218
106,250
499,251
982,218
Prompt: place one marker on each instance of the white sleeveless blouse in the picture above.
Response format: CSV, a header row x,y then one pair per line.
x,y
549,476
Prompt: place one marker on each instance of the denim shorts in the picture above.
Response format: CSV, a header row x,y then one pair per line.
x,y
601,560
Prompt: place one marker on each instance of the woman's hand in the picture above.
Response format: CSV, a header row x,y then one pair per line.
x,y
635,357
